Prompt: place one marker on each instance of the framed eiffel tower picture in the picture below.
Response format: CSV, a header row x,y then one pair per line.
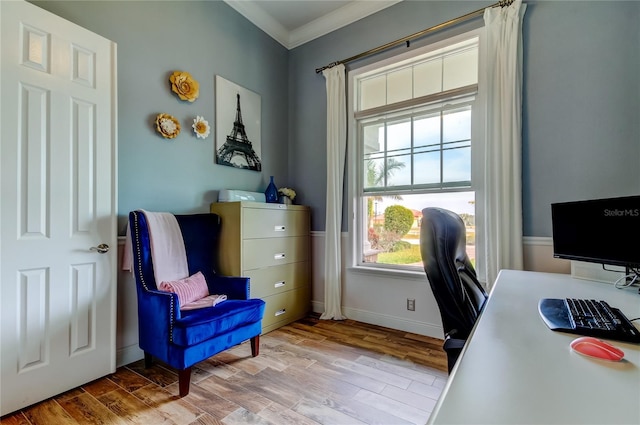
x,y
238,125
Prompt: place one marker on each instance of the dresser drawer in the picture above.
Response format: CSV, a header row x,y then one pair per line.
x,y
264,223
259,253
285,307
277,279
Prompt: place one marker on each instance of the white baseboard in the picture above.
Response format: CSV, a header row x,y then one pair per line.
x,y
129,354
393,322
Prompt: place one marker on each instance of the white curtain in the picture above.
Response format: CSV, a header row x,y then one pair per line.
x,y
336,152
503,155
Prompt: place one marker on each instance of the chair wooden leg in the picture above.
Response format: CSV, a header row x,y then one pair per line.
x,y
255,345
148,360
184,376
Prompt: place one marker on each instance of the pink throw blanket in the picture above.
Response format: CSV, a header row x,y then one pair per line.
x,y
167,247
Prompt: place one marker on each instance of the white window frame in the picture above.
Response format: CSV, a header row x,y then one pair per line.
x,y
357,228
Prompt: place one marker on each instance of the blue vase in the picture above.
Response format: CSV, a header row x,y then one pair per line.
x,y
271,194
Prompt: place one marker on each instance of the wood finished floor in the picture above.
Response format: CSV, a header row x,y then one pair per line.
x,y
309,372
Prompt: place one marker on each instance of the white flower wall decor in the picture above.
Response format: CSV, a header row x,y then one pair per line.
x,y
201,127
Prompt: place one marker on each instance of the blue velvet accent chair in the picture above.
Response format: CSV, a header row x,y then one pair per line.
x,y
184,338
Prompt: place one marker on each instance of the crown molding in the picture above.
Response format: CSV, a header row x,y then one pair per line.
x,y
337,19
258,17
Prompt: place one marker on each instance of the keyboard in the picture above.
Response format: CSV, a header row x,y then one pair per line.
x,y
587,317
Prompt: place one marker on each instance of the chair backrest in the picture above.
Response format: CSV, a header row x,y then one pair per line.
x,y
201,234
459,295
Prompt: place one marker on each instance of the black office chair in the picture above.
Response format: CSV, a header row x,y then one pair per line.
x,y
452,277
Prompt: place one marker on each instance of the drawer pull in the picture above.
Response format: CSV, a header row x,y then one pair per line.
x,y
279,284
279,228
280,312
279,256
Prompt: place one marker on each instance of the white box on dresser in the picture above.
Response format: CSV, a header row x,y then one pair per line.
x,y
269,243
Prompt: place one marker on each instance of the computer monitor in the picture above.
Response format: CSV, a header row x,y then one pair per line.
x,y
604,231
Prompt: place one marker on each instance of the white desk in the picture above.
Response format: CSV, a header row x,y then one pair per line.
x,y
515,370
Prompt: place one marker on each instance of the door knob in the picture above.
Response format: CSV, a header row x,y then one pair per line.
x,y
103,248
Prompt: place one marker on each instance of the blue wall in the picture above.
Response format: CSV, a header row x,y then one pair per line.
x,y
581,123
205,38
581,126
581,112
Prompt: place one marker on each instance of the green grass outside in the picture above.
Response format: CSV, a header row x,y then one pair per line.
x,y
407,256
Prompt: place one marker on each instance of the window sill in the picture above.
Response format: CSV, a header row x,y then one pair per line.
x,y
399,274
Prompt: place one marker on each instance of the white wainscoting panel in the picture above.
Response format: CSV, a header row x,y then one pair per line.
x,y
538,256
367,297
127,349
380,299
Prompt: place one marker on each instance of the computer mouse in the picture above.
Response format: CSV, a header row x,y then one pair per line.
x,y
594,347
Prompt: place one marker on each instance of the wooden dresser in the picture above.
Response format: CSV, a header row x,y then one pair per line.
x,y
269,243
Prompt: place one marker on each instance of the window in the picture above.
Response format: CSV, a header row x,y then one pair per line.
x,y
417,130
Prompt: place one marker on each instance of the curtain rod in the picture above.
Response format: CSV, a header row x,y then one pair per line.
x,y
407,39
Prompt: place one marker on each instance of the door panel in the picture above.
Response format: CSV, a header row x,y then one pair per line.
x,y
33,319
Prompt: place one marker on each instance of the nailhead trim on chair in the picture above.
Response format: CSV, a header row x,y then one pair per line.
x,y
144,284
135,222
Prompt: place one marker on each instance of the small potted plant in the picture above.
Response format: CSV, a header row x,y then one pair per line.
x,y
287,195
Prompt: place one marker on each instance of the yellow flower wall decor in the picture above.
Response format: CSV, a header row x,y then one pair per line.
x,y
183,84
201,127
167,125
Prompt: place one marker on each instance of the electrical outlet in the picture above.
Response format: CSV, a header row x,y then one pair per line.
x,y
411,304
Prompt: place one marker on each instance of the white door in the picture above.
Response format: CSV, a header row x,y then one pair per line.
x,y
57,174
